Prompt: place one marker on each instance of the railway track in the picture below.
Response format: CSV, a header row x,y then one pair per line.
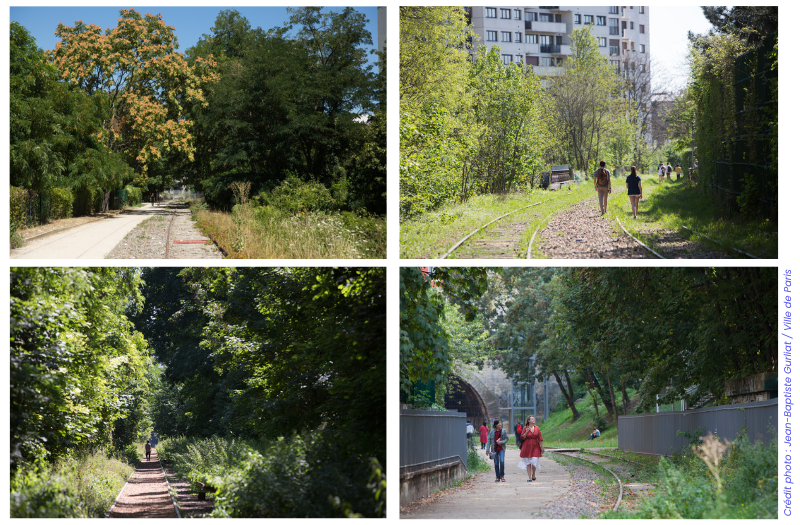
x,y
578,454
462,241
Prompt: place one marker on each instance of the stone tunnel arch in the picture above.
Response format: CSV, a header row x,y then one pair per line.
x,y
470,395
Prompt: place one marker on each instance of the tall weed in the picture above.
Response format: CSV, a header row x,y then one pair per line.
x,y
79,487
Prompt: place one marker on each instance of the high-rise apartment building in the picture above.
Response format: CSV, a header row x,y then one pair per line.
x,y
540,36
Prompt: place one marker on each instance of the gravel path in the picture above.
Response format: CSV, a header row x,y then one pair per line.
x,y
146,494
149,239
584,499
580,232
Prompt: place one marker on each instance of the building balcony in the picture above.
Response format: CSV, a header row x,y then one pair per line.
x,y
555,49
546,27
627,34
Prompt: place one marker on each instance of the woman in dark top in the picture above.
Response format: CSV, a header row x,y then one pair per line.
x,y
498,437
634,185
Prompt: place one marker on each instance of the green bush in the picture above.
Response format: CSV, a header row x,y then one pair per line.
x,y
292,477
17,206
131,455
294,195
87,201
134,195
61,200
70,488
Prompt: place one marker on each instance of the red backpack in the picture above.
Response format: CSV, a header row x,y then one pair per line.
x,y
602,177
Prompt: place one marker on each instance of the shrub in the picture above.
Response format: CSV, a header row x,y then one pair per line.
x,y
69,488
87,201
134,195
294,195
61,203
131,454
17,206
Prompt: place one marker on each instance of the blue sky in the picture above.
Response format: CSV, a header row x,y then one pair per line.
x,y
190,22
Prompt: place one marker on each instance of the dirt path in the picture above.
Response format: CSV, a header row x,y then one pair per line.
x,y
146,494
579,232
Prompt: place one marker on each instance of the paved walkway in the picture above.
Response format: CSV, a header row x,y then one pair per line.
x,y
146,495
90,241
516,498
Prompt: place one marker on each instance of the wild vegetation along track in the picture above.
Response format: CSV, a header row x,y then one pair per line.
x,y
577,453
462,241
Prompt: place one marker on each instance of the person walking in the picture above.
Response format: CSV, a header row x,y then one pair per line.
x,y
634,185
484,435
147,449
602,185
669,171
678,172
518,432
661,171
531,448
497,450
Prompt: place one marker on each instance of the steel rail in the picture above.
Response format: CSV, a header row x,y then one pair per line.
x,y
619,482
459,243
716,241
640,242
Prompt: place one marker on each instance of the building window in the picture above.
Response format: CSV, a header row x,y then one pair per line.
x,y
601,41
613,50
588,19
531,39
545,17
518,38
545,40
641,28
505,36
530,17
577,19
613,10
601,20
641,48
491,36
517,14
613,26
491,12
507,59
641,9
505,13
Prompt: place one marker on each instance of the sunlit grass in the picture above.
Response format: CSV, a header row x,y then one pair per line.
x,y
433,233
266,233
672,204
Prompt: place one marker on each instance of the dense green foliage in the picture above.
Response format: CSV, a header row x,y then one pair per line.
x,y
286,477
108,108
79,487
101,357
290,104
77,365
688,489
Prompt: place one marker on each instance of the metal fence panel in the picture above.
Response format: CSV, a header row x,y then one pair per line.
x,y
430,438
657,433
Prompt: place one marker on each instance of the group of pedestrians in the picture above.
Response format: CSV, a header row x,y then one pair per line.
x,y
494,442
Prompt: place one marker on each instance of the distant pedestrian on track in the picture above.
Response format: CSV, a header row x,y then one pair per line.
x,y
661,171
497,450
602,185
669,171
484,435
147,449
634,185
518,432
531,448
678,172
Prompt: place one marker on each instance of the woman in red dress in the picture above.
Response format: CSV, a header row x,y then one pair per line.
x,y
531,448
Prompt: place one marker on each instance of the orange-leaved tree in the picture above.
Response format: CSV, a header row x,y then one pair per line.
x,y
144,83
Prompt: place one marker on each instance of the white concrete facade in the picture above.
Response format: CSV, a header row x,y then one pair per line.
x,y
540,36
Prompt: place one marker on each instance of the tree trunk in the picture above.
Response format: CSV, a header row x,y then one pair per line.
x,y
567,396
613,398
625,400
603,398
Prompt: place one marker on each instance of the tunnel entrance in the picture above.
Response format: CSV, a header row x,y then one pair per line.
x,y
462,397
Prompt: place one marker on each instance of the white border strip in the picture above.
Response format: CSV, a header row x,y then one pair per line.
x,y
120,493
169,489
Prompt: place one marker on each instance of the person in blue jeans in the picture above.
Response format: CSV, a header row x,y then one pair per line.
x,y
498,437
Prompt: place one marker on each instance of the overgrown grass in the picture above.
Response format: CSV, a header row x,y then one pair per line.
x,y
672,204
431,234
561,431
688,489
78,487
291,477
265,232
